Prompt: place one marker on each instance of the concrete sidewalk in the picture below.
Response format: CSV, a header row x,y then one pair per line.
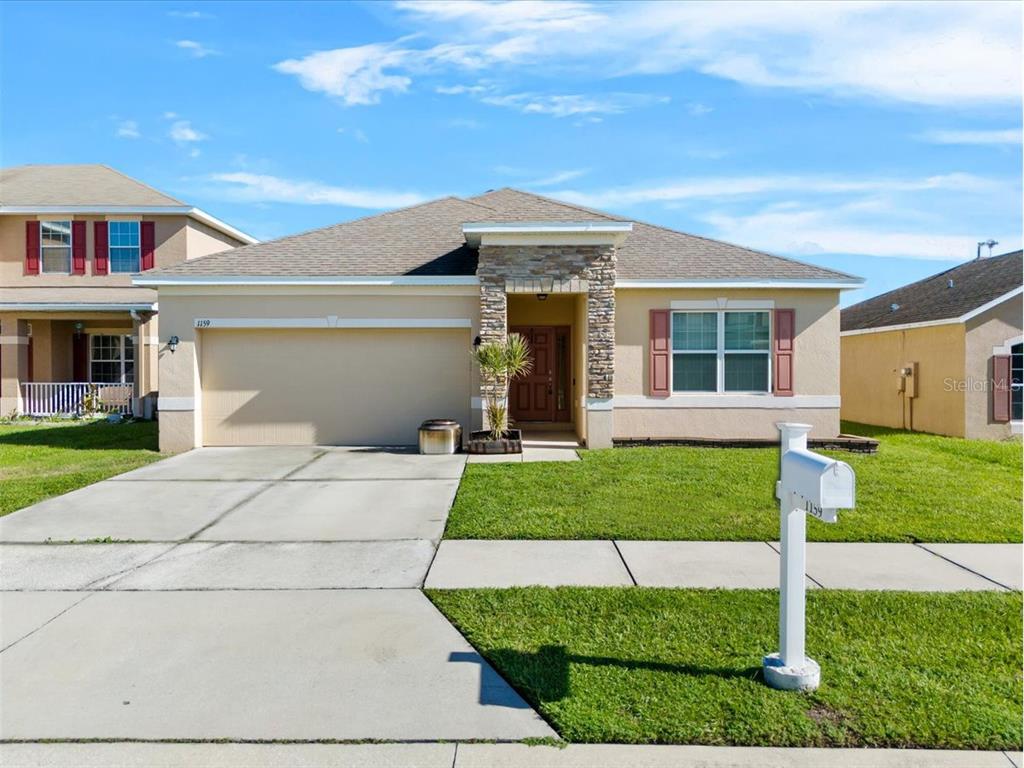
x,y
724,564
435,755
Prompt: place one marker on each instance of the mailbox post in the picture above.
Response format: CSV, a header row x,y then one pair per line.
x,y
809,484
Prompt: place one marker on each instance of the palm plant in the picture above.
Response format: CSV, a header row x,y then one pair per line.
x,y
500,363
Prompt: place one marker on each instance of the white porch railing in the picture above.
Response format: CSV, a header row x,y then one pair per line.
x,y
69,398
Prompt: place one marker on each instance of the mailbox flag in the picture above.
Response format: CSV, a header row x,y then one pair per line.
x,y
1001,388
783,351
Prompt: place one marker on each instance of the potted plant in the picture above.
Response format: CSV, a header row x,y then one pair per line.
x,y
500,363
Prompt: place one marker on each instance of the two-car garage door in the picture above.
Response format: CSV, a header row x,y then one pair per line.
x,y
352,386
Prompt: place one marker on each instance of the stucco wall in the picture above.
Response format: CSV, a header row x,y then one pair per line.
x,y
815,375
181,373
988,330
202,240
172,243
870,379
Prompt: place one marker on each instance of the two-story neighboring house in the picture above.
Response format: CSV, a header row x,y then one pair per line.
x,y
74,332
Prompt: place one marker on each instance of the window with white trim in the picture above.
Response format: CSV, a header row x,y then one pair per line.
x,y
55,247
111,359
1016,382
722,351
123,246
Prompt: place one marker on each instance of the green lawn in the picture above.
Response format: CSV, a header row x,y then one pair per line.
x,y
40,460
916,488
928,670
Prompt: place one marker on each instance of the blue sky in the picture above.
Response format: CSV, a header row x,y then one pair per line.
x,y
880,139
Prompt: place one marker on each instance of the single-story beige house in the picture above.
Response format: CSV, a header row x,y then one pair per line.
x,y
941,355
73,328
355,333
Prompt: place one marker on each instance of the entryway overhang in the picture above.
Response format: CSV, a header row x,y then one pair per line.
x,y
546,232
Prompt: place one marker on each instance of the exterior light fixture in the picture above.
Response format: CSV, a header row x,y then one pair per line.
x,y
173,342
476,341
542,297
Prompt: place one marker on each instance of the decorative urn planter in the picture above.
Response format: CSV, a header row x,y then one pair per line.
x,y
481,441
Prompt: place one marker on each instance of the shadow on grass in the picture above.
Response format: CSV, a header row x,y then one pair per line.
x,y
89,436
543,676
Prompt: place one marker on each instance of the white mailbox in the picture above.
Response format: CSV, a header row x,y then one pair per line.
x,y
820,485
809,484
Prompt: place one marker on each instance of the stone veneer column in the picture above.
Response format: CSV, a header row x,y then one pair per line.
x,y
558,269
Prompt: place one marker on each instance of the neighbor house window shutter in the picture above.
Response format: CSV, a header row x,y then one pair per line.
x,y
101,257
1001,388
77,247
784,345
31,247
148,240
660,353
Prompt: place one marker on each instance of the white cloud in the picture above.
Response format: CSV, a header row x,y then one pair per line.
x,y
195,49
190,15
128,129
707,188
465,122
999,136
573,104
696,109
454,90
814,231
170,115
357,134
559,177
261,188
354,75
937,53
181,132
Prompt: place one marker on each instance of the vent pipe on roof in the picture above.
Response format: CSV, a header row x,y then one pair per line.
x,y
990,244
893,307
949,283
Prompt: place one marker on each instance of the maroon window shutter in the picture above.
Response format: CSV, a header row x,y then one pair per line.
x,y
783,352
101,254
148,244
80,357
31,247
1001,388
77,247
661,353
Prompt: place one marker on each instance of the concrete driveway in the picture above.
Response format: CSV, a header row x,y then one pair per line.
x,y
243,593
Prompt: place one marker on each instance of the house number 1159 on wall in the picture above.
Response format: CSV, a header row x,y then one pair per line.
x,y
203,323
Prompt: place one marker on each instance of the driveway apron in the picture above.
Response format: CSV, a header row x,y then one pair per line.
x,y
243,593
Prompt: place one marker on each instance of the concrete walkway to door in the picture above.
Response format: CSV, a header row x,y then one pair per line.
x,y
243,593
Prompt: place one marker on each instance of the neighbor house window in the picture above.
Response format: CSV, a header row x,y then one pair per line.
x,y
55,246
727,351
111,359
1016,382
123,242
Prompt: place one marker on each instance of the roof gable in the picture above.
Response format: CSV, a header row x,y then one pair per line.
x,y
974,284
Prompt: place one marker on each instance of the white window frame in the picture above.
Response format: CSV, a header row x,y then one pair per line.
x,y
111,246
121,346
720,352
43,248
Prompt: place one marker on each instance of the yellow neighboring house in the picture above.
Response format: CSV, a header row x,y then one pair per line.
x,y
941,355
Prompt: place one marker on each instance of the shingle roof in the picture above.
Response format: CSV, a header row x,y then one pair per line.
x,y
427,239
28,185
974,284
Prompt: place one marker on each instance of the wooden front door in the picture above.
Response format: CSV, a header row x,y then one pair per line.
x,y
543,394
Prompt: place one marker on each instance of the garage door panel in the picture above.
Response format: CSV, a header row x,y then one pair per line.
x,y
331,386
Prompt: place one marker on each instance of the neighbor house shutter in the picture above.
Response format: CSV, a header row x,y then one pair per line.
x,y
783,352
77,247
660,353
80,357
1001,388
101,254
148,244
31,247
